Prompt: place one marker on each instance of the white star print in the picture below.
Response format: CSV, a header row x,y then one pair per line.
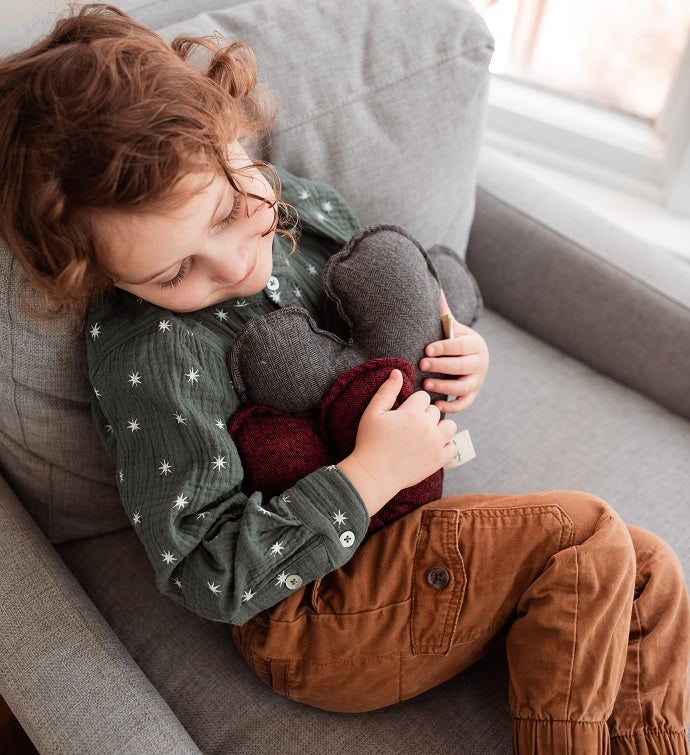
x,y
304,194
168,557
202,515
339,518
136,518
180,502
180,419
331,468
220,424
326,206
240,303
277,549
214,588
264,511
134,379
133,425
219,462
247,595
297,292
121,476
109,429
97,393
164,326
177,582
221,314
281,579
320,216
165,468
95,330
285,498
311,270
192,376
275,297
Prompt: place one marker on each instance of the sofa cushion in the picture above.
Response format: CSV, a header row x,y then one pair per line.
x,y
577,429
355,88
49,450
384,101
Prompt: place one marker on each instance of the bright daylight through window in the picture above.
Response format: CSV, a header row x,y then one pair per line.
x,y
618,73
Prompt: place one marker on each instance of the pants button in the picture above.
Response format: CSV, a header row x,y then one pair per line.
x,y
438,577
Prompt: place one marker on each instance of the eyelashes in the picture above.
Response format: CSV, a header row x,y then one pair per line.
x,y
234,212
228,220
179,277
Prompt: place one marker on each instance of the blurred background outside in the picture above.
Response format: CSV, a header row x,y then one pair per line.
x,y
621,55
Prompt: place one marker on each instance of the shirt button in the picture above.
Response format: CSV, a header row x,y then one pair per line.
x,y
438,577
273,283
347,539
293,581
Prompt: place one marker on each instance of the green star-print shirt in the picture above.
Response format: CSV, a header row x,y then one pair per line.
x,y
162,401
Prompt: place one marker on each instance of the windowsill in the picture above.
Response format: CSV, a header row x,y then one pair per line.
x,y
607,161
639,216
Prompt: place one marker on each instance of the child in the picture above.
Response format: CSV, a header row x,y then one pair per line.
x,y
123,183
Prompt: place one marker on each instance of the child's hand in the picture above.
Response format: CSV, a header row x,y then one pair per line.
x,y
397,448
465,357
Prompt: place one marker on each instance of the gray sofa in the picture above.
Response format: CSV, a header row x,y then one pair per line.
x,y
589,388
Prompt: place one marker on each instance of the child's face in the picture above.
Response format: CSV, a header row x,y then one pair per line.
x,y
208,249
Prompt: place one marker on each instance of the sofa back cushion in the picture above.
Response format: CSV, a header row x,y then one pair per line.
x,y
384,100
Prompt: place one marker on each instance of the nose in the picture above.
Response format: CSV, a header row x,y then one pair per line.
x,y
231,264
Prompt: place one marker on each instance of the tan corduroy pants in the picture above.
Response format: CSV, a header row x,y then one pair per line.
x,y
594,617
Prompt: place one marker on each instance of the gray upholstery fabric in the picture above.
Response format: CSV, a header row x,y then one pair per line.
x,y
49,450
57,649
577,281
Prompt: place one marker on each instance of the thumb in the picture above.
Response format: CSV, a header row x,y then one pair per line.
x,y
384,398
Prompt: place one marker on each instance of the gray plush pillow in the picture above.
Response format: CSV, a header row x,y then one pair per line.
x,y
384,100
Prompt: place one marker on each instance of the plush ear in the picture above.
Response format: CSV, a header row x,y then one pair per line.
x,y
383,286
458,284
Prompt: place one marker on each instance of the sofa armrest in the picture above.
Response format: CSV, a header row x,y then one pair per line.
x,y
65,674
582,284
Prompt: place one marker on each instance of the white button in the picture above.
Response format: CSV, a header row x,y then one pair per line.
x,y
347,539
273,283
293,581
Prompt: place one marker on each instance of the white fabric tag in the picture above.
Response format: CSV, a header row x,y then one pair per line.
x,y
464,450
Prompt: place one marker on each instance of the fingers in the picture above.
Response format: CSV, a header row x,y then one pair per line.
x,y
384,398
452,365
457,404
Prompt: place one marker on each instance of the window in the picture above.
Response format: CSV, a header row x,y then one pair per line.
x,y
596,86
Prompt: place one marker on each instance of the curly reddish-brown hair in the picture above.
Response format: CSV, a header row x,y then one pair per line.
x,y
103,114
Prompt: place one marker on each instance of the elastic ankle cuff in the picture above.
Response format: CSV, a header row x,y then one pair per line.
x,y
544,737
651,742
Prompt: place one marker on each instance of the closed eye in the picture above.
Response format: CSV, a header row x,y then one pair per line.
x,y
231,217
179,276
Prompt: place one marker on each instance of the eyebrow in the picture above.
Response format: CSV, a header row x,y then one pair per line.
x,y
153,277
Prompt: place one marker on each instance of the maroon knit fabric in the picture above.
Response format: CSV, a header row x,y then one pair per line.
x,y
278,449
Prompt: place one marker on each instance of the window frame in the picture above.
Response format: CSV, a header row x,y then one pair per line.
x,y
649,160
